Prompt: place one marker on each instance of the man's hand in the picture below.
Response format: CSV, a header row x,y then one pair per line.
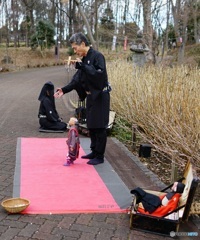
x,y
59,93
78,60
70,61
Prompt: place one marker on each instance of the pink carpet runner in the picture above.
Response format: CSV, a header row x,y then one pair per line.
x,y
55,189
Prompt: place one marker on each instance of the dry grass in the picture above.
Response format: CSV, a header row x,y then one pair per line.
x,y
26,58
165,105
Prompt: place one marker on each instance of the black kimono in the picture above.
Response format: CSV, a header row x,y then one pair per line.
x,y
91,82
48,115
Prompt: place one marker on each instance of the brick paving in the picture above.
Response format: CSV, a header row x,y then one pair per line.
x,y
18,118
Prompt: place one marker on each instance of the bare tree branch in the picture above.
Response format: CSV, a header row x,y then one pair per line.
x,y
90,35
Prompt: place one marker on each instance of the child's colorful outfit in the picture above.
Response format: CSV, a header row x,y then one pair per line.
x,y
73,144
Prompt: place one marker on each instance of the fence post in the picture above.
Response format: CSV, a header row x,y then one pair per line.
x,y
134,127
174,167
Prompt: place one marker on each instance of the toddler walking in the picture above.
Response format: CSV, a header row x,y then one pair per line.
x,y
73,142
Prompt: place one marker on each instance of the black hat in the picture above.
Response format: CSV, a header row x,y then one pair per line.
x,y
48,86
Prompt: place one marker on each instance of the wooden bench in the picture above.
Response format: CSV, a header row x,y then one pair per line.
x,y
166,224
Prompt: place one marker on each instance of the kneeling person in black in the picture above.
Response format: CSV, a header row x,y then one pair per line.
x,y
48,115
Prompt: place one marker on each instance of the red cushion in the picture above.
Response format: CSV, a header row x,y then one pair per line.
x,y
162,210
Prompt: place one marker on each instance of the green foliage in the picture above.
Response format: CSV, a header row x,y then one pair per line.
x,y
70,51
171,33
11,45
22,44
4,32
107,26
107,20
190,31
122,130
44,35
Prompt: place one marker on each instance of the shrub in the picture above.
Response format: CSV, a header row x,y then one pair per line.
x,y
163,103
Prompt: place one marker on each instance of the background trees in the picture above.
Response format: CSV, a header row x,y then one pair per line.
x,y
43,36
103,19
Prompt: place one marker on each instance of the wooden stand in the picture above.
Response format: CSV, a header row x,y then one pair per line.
x,y
166,225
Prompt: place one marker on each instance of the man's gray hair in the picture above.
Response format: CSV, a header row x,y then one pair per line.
x,y
78,38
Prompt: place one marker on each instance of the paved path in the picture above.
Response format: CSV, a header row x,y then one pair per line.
x,y
18,118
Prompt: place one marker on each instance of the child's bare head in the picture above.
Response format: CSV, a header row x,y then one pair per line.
x,y
73,121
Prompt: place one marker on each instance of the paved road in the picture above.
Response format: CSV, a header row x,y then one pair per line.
x,y
18,118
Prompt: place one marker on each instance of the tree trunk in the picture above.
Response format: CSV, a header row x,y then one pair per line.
x,y
148,31
176,16
167,25
96,23
29,5
93,42
7,26
148,28
14,8
181,14
70,17
196,30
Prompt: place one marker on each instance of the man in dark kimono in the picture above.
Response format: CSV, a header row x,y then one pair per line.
x,y
48,115
91,82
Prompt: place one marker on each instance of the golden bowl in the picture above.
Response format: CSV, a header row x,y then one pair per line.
x,y
15,205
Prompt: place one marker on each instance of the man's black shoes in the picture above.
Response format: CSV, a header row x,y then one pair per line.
x,y
89,156
95,161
